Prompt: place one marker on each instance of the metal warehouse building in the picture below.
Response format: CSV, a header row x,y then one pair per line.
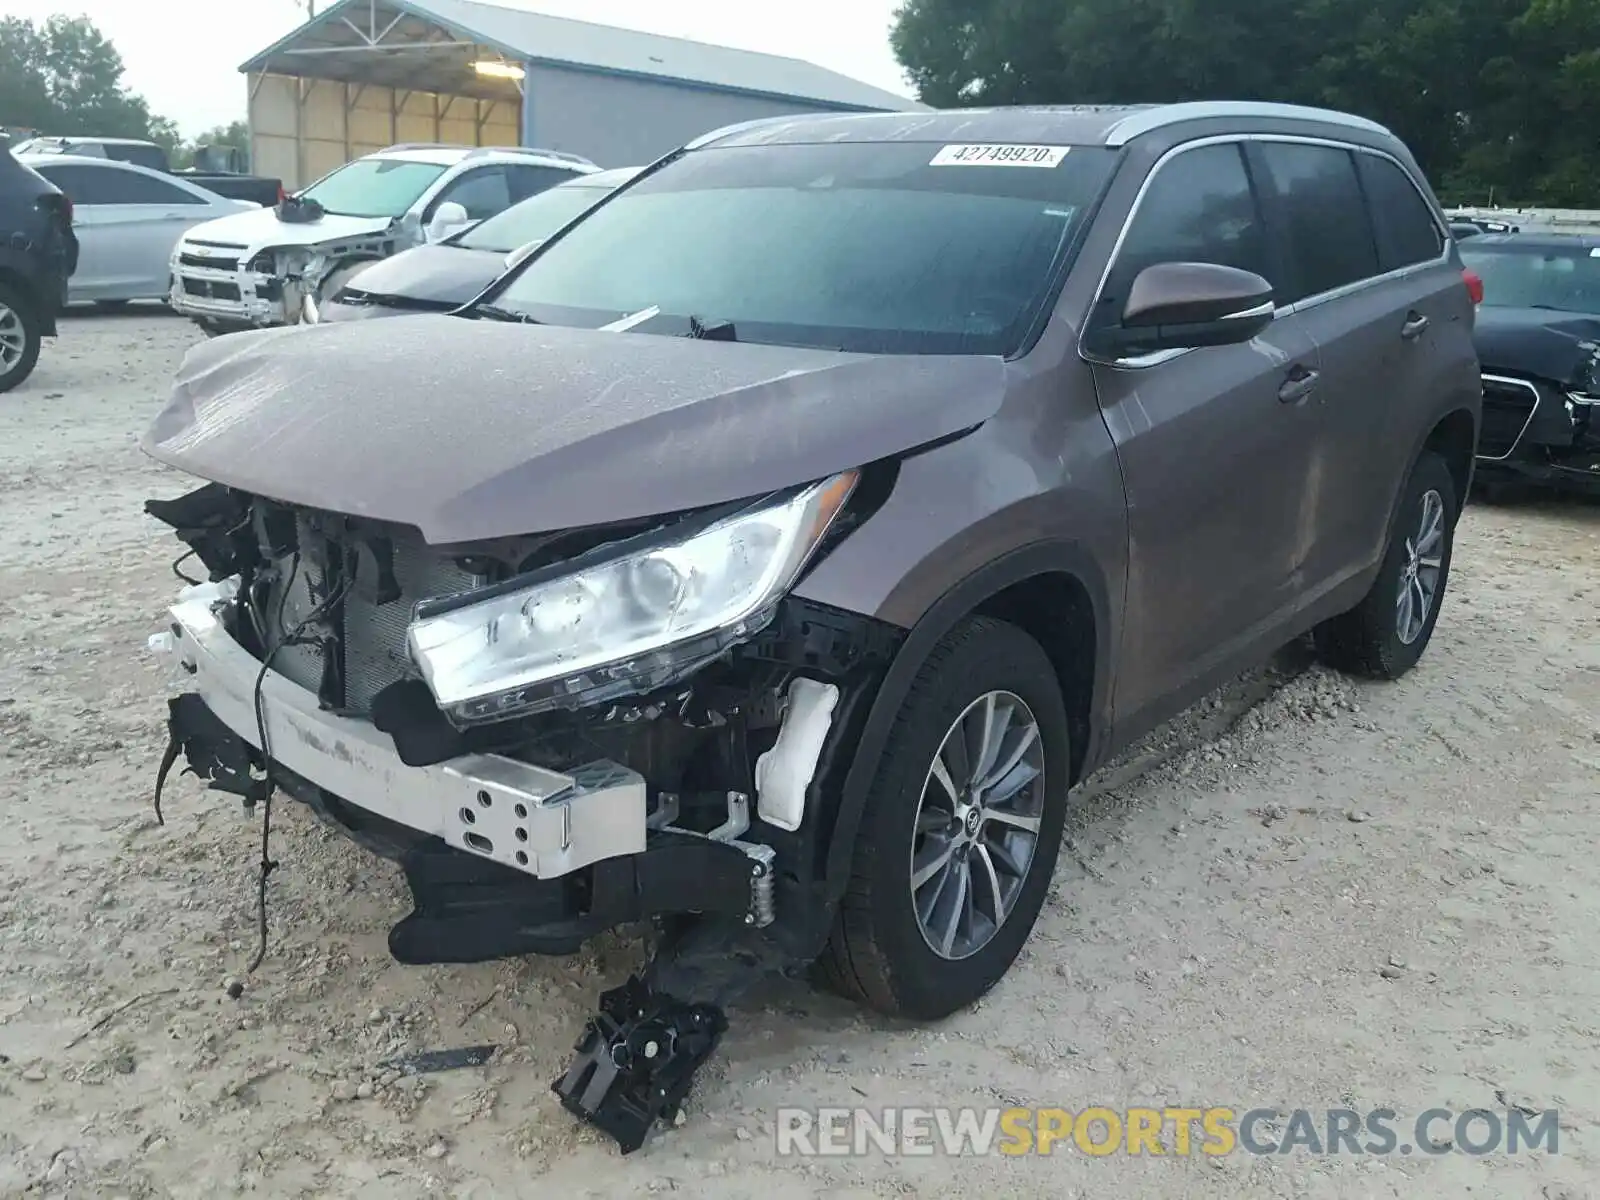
x,y
366,74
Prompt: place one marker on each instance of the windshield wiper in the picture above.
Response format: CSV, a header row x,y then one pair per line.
x,y
495,313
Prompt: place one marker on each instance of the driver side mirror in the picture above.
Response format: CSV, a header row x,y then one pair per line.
x,y
1184,306
449,218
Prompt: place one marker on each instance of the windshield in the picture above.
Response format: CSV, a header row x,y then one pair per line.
x,y
373,187
900,248
535,218
1565,278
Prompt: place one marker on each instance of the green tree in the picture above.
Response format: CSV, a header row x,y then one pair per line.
x,y
235,134
63,77
1488,93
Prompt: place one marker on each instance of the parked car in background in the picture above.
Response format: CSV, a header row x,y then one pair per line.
x,y
773,550
128,218
38,254
1538,340
233,184
443,275
259,269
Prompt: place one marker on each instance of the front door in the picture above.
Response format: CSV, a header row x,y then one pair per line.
x,y
1214,445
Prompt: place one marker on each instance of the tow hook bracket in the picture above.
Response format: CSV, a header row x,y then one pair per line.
x,y
636,1060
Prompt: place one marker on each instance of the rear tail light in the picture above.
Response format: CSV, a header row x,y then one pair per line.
x,y
1474,283
58,203
282,195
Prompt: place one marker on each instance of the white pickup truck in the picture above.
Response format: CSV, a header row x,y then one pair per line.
x,y
257,269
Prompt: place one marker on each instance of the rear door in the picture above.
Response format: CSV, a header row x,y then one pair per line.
x,y
129,222
1213,443
85,186
1374,317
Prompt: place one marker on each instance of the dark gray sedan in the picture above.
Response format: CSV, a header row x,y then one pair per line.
x,y
441,276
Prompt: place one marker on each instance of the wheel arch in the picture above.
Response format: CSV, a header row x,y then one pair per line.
x,y
1454,438
18,281
1055,592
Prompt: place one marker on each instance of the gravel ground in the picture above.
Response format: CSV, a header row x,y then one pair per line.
x,y
1305,893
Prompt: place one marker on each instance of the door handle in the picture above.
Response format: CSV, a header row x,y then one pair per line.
x,y
1415,324
1298,386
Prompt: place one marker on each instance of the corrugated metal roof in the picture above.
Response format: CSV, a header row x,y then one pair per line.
x,y
561,41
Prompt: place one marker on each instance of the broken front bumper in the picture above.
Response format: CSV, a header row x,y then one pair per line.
x,y
234,296
541,823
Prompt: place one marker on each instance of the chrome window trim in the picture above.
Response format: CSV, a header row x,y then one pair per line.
x,y
1141,362
1509,381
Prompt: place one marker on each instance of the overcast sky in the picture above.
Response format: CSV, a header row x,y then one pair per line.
x,y
181,55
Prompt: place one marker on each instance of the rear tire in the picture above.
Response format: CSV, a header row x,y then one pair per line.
x,y
1383,637
882,951
20,337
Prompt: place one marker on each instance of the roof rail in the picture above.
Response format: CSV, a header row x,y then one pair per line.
x,y
1160,116
425,146
705,139
560,155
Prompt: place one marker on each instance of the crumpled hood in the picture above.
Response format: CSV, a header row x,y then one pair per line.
x,y
443,274
260,229
1557,346
477,429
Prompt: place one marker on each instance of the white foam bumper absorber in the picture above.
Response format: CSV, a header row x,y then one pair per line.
x,y
784,773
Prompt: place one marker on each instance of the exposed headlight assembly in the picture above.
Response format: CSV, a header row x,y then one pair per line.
x,y
301,262
626,624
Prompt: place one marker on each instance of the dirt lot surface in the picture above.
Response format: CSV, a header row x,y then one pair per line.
x,y
1307,893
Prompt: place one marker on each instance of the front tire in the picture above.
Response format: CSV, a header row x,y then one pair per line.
x,y
20,338
1385,635
961,829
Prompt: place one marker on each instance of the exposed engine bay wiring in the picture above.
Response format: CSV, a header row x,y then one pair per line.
x,y
177,564
268,865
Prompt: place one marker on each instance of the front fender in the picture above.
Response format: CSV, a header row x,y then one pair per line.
x,y
966,521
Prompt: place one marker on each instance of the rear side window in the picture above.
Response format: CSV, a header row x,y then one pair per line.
x,y
530,181
482,193
1199,207
83,185
1321,217
130,187
1407,231
113,185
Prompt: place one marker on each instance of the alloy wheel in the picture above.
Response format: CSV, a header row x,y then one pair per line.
x,y
13,338
977,824
1419,573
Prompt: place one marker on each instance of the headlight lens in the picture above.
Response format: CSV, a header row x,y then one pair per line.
x,y
627,624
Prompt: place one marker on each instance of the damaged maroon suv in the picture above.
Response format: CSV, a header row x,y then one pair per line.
x,y
768,555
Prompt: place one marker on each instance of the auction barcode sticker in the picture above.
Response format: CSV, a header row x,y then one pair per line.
x,y
996,155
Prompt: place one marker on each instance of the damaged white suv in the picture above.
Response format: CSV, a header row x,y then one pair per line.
x,y
263,268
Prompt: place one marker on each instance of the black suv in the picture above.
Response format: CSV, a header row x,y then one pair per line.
x,y
38,253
